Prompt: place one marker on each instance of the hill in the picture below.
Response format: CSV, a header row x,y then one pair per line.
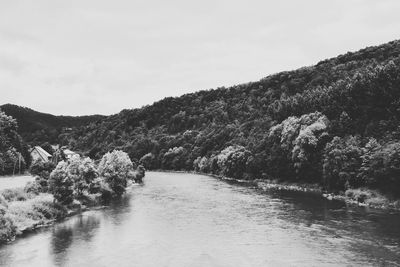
x,y
36,127
335,123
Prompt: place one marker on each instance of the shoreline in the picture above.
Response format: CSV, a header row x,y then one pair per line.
x,y
260,184
70,212
383,203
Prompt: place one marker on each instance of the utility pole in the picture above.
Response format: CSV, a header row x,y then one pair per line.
x,y
19,163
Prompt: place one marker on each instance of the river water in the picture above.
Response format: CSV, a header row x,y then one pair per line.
x,y
194,220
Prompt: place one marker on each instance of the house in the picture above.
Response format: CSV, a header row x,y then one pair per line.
x,y
38,153
68,153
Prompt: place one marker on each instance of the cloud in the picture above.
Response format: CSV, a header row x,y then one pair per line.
x,y
83,57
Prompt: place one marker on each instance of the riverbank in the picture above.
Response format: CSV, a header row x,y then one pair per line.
x,y
361,197
23,212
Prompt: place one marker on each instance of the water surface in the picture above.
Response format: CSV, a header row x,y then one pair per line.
x,y
193,220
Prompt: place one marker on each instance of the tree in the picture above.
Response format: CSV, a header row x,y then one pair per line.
x,y
175,158
49,149
61,184
42,172
13,151
233,161
82,172
140,173
381,167
342,161
148,161
302,139
116,168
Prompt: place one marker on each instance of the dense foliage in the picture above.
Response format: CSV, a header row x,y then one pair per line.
x,y
335,123
41,170
116,168
14,155
63,188
37,128
79,177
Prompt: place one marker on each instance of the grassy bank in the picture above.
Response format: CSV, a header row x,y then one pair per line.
x,y
363,197
21,211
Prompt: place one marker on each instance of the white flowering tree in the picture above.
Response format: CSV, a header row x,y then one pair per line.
x,y
116,168
83,172
233,161
303,138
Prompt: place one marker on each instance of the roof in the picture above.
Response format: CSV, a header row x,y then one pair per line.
x,y
42,153
68,152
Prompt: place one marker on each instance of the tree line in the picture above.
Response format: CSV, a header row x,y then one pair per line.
x,y
335,123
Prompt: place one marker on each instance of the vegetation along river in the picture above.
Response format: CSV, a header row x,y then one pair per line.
x,y
194,220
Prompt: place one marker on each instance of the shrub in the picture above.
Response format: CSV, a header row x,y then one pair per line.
x,y
367,196
15,194
8,230
33,188
139,174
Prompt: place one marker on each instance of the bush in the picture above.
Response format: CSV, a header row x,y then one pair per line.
x,y
15,194
139,174
3,201
33,188
42,169
8,230
367,196
116,168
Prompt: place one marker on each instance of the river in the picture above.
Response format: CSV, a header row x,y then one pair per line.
x,y
194,220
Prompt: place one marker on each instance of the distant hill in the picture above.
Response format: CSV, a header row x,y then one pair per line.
x,y
336,123
37,127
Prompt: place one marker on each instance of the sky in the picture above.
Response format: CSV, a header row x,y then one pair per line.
x,y
82,57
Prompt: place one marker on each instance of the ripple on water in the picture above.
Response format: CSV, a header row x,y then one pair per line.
x,y
193,220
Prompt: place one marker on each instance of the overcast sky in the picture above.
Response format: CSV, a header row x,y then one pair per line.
x,y
84,57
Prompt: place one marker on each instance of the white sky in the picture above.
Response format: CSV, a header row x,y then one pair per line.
x,y
81,57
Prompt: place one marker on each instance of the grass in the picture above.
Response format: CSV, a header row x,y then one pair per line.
x,y
21,211
36,211
15,194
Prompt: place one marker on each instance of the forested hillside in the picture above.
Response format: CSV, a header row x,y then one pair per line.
x,y
335,123
36,127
